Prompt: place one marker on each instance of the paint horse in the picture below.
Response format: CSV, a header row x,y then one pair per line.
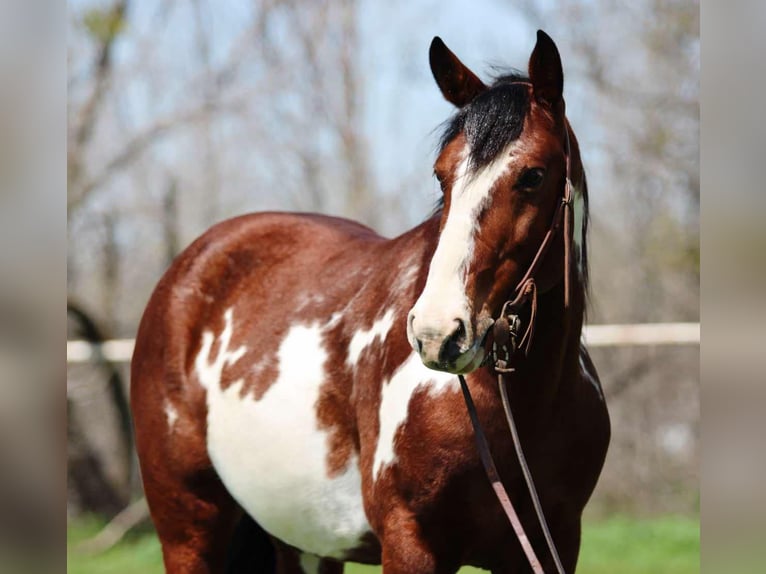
x,y
299,372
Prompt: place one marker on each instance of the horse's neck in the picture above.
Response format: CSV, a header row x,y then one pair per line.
x,y
554,355
414,250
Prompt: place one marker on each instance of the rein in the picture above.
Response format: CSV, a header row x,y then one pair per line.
x,y
505,344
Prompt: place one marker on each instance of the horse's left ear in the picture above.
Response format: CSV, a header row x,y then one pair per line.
x,y
458,84
545,70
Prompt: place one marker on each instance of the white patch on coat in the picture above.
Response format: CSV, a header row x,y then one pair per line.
x,y
270,453
258,368
334,320
396,394
443,298
365,337
309,563
589,376
172,415
402,286
210,373
308,301
408,271
406,279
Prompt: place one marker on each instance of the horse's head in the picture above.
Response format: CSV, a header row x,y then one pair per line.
x,y
502,169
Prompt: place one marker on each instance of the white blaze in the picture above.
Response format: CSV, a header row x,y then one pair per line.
x,y
443,299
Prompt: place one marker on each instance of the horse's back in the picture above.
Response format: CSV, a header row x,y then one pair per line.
x,y
252,257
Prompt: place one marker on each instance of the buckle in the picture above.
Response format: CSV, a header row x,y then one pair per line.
x,y
505,334
566,199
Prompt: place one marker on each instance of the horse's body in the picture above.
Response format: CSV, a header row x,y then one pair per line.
x,y
273,375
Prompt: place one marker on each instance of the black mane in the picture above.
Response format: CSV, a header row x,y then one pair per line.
x,y
492,120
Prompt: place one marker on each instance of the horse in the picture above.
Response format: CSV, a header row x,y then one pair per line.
x,y
295,390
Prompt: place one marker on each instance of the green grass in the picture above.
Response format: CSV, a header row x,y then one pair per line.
x,y
137,553
668,545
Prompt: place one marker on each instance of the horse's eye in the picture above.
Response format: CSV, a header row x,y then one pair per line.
x,y
531,178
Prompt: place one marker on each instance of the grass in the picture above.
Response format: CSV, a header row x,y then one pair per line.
x,y
668,545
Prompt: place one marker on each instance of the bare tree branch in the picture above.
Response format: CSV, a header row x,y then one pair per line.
x,y
86,121
131,150
130,517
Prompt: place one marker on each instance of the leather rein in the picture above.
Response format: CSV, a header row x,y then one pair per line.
x,y
506,341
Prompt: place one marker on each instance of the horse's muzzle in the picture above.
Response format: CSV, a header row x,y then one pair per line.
x,y
458,352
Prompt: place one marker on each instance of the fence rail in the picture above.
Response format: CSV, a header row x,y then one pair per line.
x,y
120,350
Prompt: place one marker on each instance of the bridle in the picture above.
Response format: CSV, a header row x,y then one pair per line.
x,y
526,289
506,341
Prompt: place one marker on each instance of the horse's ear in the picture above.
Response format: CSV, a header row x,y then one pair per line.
x,y
545,70
458,84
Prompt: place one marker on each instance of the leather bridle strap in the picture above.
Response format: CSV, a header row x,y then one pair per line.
x,y
525,291
563,212
527,474
494,478
567,203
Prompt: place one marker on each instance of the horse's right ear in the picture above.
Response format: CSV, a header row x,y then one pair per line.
x,y
458,84
545,71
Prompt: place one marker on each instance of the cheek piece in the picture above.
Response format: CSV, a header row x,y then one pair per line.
x,y
505,332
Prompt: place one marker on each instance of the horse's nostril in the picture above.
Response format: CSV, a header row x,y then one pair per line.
x,y
419,344
453,345
459,334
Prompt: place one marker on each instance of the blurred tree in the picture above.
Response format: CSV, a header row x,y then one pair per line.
x,y
280,122
180,115
638,65
632,81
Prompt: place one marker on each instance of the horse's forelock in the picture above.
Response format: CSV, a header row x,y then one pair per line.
x,y
491,121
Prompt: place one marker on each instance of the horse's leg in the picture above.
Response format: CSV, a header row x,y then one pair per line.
x,y
404,548
251,550
292,561
192,511
195,520
566,536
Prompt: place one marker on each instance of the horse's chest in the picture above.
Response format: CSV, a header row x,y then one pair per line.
x,y
272,456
